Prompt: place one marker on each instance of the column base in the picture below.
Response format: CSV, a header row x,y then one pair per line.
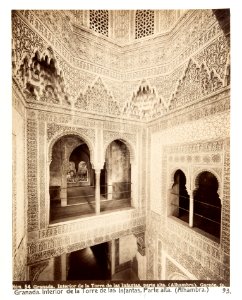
x,y
63,202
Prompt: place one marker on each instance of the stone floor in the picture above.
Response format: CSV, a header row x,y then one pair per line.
x,y
82,203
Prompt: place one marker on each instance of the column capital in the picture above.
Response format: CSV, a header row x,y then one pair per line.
x,y
190,192
97,170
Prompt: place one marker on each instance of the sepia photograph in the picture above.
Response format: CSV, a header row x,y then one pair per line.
x,y
120,148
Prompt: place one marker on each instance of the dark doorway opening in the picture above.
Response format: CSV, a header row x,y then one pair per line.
x,y
180,197
207,204
92,263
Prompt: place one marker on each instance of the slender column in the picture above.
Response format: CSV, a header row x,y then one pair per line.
x,y
63,191
63,267
191,209
112,257
97,191
109,181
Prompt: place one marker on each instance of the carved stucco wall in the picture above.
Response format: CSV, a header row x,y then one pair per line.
x,y
193,146
46,241
19,203
116,72
118,163
192,59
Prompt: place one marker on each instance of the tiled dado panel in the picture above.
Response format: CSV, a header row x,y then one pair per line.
x,y
82,233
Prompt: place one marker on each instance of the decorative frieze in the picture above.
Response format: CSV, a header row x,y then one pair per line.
x,y
198,147
85,224
53,129
226,204
97,99
54,246
32,154
202,159
218,103
42,177
122,126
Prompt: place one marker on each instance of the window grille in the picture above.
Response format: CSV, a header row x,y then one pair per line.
x,y
144,23
99,21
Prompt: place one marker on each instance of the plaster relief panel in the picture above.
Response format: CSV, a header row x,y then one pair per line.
x,y
98,99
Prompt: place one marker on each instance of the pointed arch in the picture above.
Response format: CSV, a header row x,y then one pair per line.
x,y
81,136
123,139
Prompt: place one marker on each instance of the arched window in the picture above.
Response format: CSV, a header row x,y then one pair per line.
x,y
179,197
144,23
207,205
72,182
116,177
80,166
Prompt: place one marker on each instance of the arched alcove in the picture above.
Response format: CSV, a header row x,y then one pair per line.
x,y
116,175
72,184
207,204
179,198
80,166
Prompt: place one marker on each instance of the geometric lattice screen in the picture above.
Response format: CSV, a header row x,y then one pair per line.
x,y
144,23
99,21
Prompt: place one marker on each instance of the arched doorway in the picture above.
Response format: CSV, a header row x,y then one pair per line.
x,y
72,183
116,177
